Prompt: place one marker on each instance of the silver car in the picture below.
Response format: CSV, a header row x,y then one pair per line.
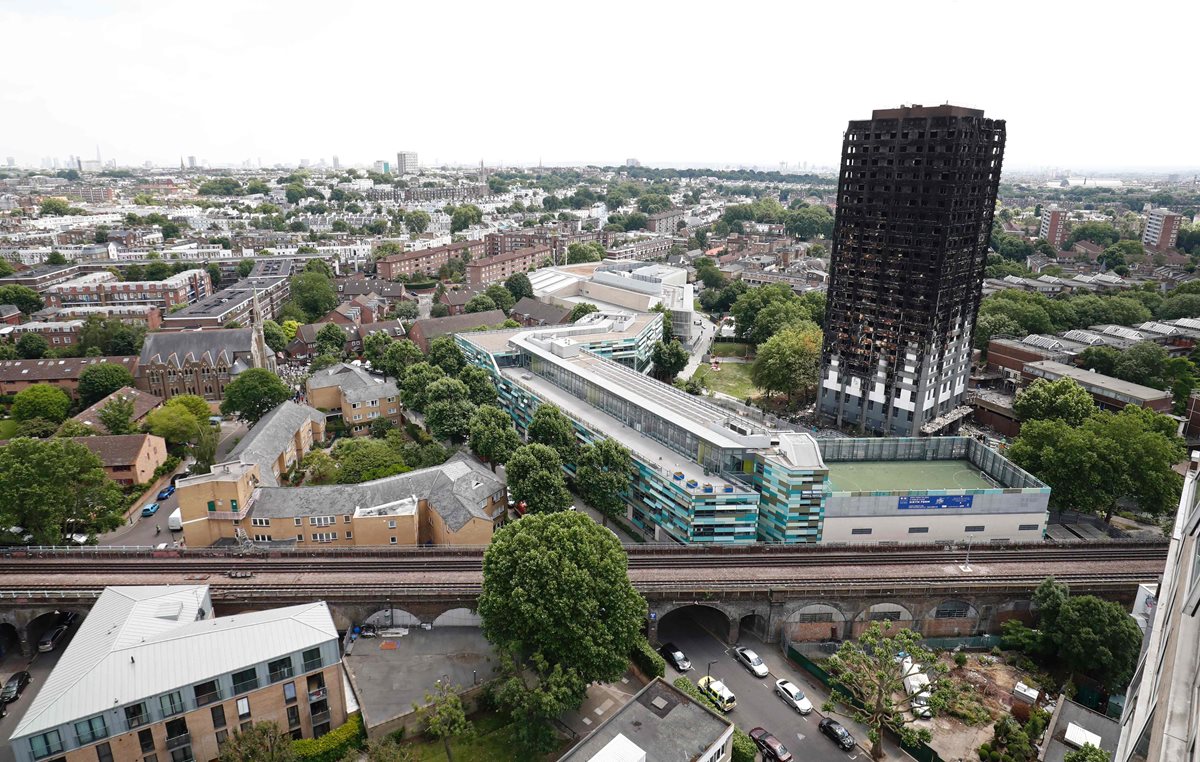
x,y
793,696
750,661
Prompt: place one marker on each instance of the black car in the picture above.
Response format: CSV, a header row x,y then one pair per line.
x,y
14,686
67,618
675,657
837,733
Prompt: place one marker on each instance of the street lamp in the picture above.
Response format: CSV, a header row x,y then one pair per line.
x,y
708,669
966,565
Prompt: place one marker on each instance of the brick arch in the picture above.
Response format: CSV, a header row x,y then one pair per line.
x,y
814,621
459,617
950,617
718,618
898,614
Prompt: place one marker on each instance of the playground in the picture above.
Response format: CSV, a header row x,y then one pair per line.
x,y
906,475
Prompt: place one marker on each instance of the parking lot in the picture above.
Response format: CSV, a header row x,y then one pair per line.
x,y
39,666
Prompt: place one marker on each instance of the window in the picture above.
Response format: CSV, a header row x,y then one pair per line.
x,y
146,739
182,755
391,541
45,744
347,518
293,715
233,505
1028,527
861,530
91,730
312,659
918,530
289,692
172,703
320,521
222,737
212,506
260,522
150,758
246,680
324,536
349,535
392,524
104,752
262,538
206,693
136,715
218,716
299,522
974,528
280,669
243,707
952,610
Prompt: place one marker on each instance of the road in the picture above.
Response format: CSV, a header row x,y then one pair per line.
x,y
700,347
757,704
39,667
139,531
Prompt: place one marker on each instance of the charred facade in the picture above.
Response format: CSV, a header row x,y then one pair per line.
x,y
916,196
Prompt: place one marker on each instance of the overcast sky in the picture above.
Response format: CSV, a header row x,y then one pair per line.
x,y
1083,85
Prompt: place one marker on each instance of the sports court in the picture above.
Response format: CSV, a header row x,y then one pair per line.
x,y
905,475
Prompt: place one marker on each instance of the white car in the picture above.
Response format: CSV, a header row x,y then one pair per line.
x,y
793,696
750,661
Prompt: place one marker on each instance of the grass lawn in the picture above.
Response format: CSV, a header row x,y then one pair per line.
x,y
8,428
491,741
729,349
732,379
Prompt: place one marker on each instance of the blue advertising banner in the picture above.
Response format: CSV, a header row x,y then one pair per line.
x,y
914,502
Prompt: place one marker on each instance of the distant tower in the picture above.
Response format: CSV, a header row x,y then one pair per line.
x,y
337,165
914,210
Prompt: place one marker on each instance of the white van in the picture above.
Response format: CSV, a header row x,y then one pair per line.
x,y
916,685
175,521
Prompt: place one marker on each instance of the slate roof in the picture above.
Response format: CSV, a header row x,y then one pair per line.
x,y
120,450
539,312
7,310
431,328
272,435
209,346
457,489
143,403
62,369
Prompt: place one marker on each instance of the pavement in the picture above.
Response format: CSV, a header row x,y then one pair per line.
x,y
39,667
757,703
699,348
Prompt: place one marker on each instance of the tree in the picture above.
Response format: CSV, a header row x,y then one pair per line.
x,y
406,310
445,353
415,384
991,325
790,361
534,476
871,670
581,309
331,340
55,487
398,357
100,380
261,742
1087,753
319,266
492,436
55,207
380,427
74,428
669,359
603,475
254,393
1103,360
1098,638
417,221
38,428
321,467
439,310
519,286
117,416
464,217
245,267
314,294
6,268
549,426
22,297
579,253
500,297
745,310
480,388
361,459
479,303
32,346
56,258
41,401
447,409
1061,400
173,423
443,715
274,336
194,404
558,604
204,448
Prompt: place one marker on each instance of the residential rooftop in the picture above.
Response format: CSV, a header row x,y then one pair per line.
x,y
1097,382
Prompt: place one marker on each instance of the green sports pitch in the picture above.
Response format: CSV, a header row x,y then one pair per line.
x,y
906,475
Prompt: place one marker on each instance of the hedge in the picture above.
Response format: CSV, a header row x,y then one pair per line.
x,y
334,745
744,749
648,660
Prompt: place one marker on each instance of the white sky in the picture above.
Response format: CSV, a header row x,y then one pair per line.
x,y
1084,85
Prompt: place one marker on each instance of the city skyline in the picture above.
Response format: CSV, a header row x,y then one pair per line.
x,y
763,94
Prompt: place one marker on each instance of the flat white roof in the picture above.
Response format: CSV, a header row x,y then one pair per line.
x,y
140,642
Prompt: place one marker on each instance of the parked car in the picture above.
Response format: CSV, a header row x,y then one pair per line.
x,y
837,733
750,661
793,696
150,510
675,657
166,492
52,638
716,690
67,618
771,747
13,688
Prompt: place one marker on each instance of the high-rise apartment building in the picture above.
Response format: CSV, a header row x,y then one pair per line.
x,y
916,197
1054,226
1162,229
406,163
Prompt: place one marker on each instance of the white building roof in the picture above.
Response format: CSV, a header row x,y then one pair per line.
x,y
140,642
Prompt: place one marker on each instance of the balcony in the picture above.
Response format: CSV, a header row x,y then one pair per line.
x,y
320,717
280,674
245,686
136,721
311,664
175,742
317,695
208,697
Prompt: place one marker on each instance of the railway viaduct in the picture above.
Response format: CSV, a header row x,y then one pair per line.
x,y
802,594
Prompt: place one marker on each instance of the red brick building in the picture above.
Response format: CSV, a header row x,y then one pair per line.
x,y
1054,226
489,270
425,331
16,375
428,261
104,288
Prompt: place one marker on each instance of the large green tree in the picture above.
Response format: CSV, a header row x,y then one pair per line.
x,y
747,307
414,388
519,286
581,309
551,427
361,459
790,361
55,487
492,436
500,297
24,298
603,476
1061,400
32,346
173,423
41,401
534,476
398,357
331,340
100,380
669,358
274,336
448,409
481,390
445,353
417,221
117,416
871,670
558,604
261,742
254,393
479,303
314,294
